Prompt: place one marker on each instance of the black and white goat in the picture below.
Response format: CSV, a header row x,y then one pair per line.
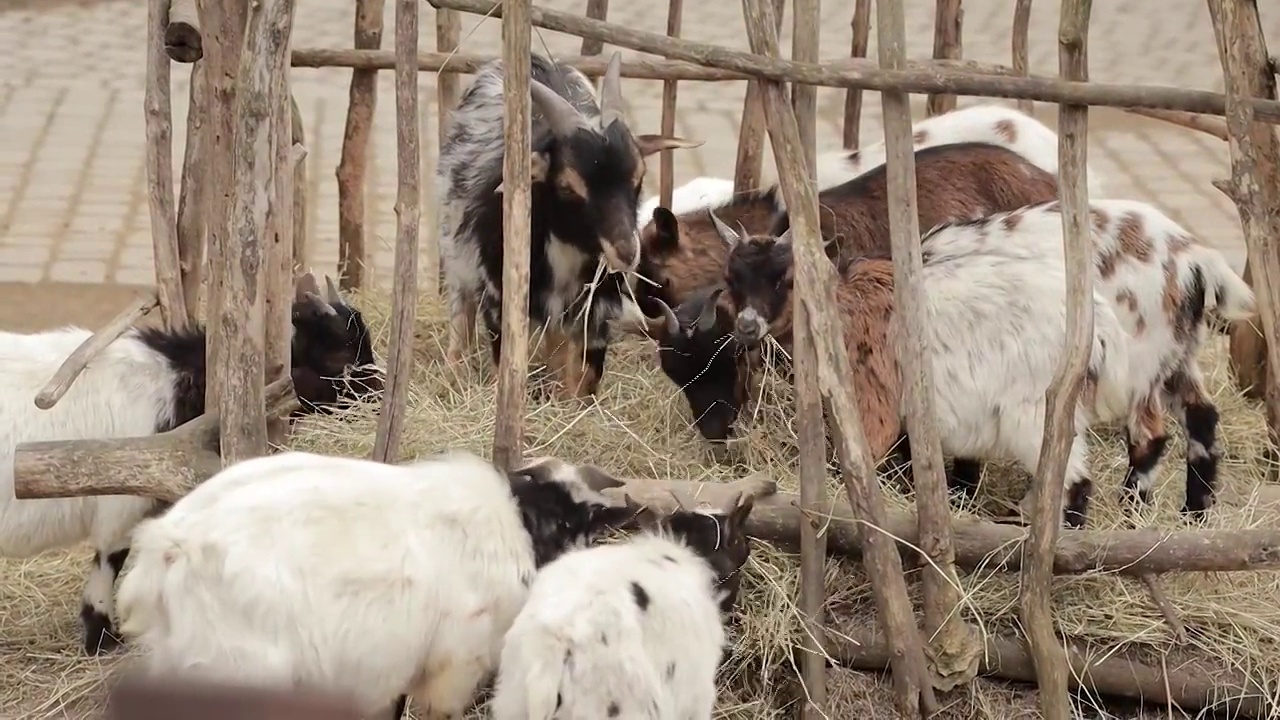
x,y
588,168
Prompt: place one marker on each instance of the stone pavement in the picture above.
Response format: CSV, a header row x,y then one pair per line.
x,y
72,199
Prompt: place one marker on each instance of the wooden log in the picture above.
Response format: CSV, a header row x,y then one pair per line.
x,y
1191,121
1059,418
1255,189
666,164
404,293
182,41
241,317
353,165
160,200
1021,48
165,466
301,257
136,698
278,285
517,178
750,161
596,10
948,42
1188,685
448,35
951,649
193,194
849,74
80,358
815,284
853,98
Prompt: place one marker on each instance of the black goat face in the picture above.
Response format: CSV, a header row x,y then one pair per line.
x,y
720,537
332,353
561,506
759,277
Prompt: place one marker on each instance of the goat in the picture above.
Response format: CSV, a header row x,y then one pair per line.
x,y
387,581
147,381
698,193
587,174
631,629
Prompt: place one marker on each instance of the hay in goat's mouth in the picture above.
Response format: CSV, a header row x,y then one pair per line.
x,y
640,427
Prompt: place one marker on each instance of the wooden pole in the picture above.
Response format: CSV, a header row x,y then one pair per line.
x,y
750,162
301,259
853,97
80,358
1021,48
353,166
193,196
815,284
448,35
513,366
1061,397
596,10
278,287
182,41
1255,190
159,122
386,446
953,650
666,166
948,43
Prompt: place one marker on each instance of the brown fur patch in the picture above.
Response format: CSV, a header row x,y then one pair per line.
x,y
865,300
1172,299
1100,219
1127,298
1007,130
1140,325
1147,422
1179,244
1133,238
1011,221
638,178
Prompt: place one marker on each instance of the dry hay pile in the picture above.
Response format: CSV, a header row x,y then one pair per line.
x,y
640,428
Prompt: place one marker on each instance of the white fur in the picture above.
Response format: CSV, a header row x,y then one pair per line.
x,y
698,193
373,579
126,391
583,604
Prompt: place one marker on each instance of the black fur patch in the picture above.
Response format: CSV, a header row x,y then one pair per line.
x,y
641,597
702,363
724,548
184,349
554,521
1202,473
1142,461
1075,506
614,710
99,634
758,276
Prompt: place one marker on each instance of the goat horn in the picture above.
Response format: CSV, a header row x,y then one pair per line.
x,y
562,117
331,290
321,306
725,232
611,102
707,319
679,502
671,324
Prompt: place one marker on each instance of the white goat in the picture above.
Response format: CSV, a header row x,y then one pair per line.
x,y
378,580
698,193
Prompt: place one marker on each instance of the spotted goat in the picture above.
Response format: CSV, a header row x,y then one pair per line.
x,y
587,173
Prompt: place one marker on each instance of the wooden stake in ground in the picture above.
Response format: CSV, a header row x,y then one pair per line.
x,y
159,121
300,244
353,167
193,195
1021,62
448,35
1060,399
750,162
948,43
853,98
1255,189
278,286
596,10
404,292
666,164
950,645
517,176
815,284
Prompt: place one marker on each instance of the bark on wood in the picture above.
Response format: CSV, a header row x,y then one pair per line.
x,y
851,74
182,41
1161,601
193,195
1191,121
815,289
353,165
404,293
666,167
1059,423
160,200
1255,180
136,698
278,288
166,466
80,358
750,160
448,35
513,366
224,21
596,10
1021,48
301,261
1190,685
948,43
853,98
241,317
952,650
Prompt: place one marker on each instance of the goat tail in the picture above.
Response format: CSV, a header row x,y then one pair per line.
x,y
1109,361
1226,293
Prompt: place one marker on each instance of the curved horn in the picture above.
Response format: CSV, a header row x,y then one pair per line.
x,y
725,232
671,323
707,319
785,238
562,118
679,503
331,291
611,103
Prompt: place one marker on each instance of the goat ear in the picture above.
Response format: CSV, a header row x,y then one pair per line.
x,y
785,238
331,294
597,479
741,511
316,305
725,232
304,284
539,166
668,229
650,144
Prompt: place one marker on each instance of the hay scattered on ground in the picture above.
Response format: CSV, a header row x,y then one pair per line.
x,y
639,427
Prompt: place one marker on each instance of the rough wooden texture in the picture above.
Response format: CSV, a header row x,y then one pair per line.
x,y
930,78
241,317
1255,190
1189,685
853,98
353,165
165,466
951,647
225,21
513,366
948,43
193,195
182,41
596,10
1207,125
136,698
80,358
448,35
666,167
750,160
278,287
404,292
815,285
661,495
1059,418
160,200
300,244
1021,48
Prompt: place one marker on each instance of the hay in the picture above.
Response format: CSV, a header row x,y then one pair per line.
x,y
639,427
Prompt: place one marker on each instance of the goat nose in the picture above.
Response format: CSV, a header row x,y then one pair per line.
x,y
749,326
